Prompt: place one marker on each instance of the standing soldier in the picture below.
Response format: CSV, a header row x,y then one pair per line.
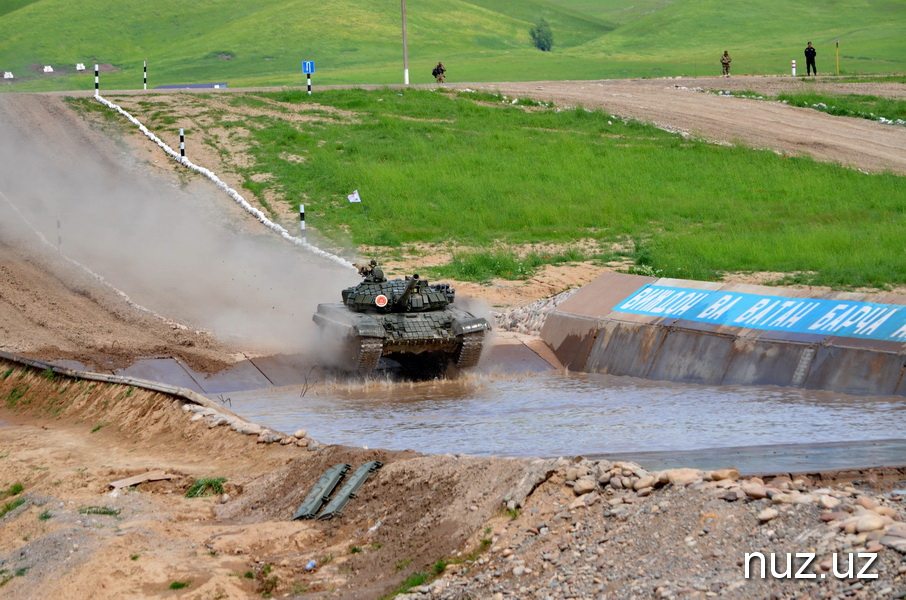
x,y
439,71
725,61
810,53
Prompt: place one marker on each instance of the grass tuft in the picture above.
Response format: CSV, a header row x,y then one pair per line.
x,y
206,487
11,506
99,510
13,490
16,394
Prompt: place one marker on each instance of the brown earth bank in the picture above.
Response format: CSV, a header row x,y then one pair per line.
x,y
456,526
574,529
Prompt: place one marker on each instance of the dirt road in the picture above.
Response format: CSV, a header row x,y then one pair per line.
x,y
681,105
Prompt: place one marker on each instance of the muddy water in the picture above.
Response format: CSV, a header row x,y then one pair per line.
x,y
554,414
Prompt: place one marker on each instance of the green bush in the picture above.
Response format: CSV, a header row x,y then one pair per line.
x,y
542,36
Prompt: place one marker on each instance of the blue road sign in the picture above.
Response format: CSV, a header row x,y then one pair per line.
x,y
308,66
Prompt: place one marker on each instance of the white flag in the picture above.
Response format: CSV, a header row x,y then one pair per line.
x,y
354,197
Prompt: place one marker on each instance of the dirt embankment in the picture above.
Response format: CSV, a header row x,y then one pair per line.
x,y
490,527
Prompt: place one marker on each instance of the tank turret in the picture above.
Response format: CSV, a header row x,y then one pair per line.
x,y
401,317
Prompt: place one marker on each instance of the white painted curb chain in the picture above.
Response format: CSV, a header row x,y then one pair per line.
x,y
230,191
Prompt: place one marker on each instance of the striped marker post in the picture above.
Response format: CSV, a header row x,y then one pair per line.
x,y
309,84
97,80
182,143
302,220
794,68
146,75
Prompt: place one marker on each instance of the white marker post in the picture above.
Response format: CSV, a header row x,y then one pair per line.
x,y
794,68
182,143
146,75
97,80
302,220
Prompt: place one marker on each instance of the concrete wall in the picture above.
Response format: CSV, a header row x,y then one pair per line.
x,y
586,334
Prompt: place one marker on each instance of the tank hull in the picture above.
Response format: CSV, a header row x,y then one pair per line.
x,y
452,333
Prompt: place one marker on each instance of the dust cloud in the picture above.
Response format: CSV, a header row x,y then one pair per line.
x,y
174,244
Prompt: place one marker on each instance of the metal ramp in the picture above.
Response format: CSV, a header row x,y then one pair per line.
x,y
320,494
355,481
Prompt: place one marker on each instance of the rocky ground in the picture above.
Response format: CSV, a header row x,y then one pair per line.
x,y
624,532
449,526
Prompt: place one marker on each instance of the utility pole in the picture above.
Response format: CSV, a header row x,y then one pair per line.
x,y
838,57
405,49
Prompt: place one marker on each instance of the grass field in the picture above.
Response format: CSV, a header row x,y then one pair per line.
x,y
263,43
441,167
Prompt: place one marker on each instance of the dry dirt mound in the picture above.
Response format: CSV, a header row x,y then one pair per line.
x,y
67,440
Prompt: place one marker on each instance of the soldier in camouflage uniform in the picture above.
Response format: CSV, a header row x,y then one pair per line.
x,y
439,73
725,61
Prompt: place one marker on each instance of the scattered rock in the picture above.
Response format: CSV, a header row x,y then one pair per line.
x,y
725,474
754,490
584,486
869,521
768,514
679,477
828,502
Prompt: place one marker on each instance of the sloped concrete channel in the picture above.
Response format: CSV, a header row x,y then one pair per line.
x,y
717,334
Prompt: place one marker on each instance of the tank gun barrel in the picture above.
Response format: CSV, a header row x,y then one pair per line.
x,y
410,287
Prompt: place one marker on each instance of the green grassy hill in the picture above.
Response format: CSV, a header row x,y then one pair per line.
x,y
359,42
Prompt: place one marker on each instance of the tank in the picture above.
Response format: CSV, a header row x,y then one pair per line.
x,y
400,318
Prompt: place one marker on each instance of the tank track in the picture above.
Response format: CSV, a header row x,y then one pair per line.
x,y
368,353
469,352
